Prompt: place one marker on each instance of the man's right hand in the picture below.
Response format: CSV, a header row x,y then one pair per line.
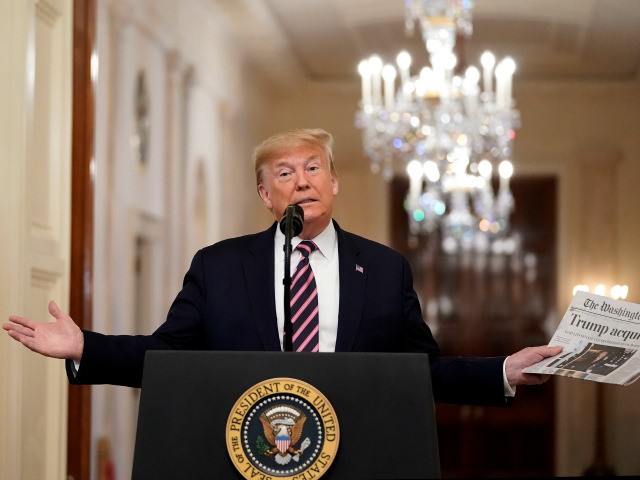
x,y
61,338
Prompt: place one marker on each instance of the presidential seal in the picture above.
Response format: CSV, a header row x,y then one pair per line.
x,y
282,428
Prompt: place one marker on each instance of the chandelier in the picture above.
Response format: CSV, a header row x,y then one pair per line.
x,y
449,134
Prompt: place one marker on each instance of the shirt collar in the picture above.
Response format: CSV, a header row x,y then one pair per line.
x,y
325,241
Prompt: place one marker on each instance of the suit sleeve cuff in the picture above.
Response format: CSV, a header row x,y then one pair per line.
x,y
509,391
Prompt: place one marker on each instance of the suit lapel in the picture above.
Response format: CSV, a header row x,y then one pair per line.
x,y
259,275
353,280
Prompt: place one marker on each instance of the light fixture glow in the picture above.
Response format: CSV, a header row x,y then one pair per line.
x,y
436,115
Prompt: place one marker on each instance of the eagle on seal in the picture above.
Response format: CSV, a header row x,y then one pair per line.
x,y
282,434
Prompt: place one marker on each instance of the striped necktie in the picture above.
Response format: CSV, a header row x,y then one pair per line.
x,y
304,303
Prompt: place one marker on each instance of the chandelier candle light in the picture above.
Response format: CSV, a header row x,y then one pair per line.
x,y
448,132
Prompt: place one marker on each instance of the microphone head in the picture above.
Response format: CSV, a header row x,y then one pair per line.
x,y
294,215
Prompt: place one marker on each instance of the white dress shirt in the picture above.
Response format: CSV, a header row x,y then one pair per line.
x,y
324,263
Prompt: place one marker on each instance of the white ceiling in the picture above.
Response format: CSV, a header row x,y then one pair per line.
x,y
323,40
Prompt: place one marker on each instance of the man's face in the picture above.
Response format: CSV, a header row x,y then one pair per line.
x,y
301,176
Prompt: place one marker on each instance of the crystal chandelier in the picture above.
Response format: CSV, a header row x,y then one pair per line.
x,y
447,132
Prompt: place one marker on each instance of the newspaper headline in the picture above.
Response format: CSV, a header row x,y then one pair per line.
x,y
601,340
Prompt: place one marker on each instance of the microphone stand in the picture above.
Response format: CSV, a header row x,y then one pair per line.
x,y
286,281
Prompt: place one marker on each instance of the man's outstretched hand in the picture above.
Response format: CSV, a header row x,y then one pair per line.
x,y
61,338
525,358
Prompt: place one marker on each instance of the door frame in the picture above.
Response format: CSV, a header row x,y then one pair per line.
x,y
82,193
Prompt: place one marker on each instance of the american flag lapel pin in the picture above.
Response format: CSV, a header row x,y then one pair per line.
x,y
359,268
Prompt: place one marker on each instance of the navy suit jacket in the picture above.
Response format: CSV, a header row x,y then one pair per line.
x,y
228,303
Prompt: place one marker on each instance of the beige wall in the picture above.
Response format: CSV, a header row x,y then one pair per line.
x,y
35,159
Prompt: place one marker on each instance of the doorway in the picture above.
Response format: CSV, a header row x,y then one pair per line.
x,y
486,304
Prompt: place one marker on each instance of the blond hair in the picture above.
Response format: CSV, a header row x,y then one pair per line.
x,y
283,142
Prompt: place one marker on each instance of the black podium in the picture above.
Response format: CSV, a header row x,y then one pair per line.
x,y
383,403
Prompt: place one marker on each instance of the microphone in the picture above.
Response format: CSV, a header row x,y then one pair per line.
x,y
293,218
291,226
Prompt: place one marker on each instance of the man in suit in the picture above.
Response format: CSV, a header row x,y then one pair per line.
x,y
231,296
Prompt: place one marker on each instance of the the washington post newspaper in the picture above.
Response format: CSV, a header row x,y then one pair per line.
x,y
601,340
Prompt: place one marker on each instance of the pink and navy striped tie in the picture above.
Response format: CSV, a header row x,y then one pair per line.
x,y
304,303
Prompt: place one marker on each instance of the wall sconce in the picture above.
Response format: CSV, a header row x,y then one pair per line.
x,y
617,292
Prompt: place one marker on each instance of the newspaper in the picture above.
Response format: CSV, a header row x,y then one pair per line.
x,y
601,340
